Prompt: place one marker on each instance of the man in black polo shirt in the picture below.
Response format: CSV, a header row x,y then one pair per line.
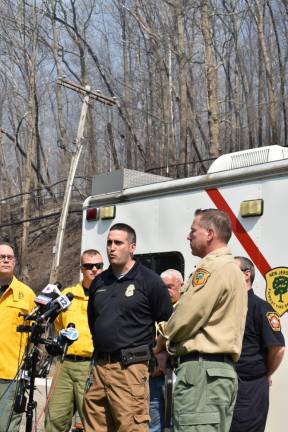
x,y
262,353
124,303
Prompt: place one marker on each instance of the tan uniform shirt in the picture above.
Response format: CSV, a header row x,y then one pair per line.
x,y
210,315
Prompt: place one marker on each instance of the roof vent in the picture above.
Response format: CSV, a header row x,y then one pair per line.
x,y
247,158
121,179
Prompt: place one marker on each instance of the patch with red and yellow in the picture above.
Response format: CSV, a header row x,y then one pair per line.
x,y
274,321
200,277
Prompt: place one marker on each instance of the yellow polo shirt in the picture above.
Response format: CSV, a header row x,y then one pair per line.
x,y
77,314
18,298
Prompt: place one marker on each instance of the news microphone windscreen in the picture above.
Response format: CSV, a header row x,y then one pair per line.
x,y
71,325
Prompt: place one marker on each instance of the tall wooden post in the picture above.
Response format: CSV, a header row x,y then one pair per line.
x,y
88,94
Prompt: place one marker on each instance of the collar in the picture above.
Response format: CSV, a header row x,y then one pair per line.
x,y
78,290
130,275
212,255
219,252
15,288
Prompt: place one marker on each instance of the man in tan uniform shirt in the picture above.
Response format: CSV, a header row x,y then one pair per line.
x,y
206,330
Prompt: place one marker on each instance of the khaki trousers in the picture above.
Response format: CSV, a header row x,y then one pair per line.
x,y
118,399
204,396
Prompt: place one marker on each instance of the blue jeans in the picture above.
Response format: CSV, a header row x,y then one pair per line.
x,y
157,403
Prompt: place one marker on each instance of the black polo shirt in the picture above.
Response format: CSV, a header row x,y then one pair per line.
x,y
122,312
262,330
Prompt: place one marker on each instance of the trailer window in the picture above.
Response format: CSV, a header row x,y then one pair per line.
x,y
162,261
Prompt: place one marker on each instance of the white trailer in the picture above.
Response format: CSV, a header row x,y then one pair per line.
x,y
251,186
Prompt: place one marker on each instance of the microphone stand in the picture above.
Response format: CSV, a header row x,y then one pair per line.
x,y
37,331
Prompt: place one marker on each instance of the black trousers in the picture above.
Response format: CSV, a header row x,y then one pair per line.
x,y
252,404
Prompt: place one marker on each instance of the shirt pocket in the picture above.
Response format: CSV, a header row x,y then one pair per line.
x,y
12,311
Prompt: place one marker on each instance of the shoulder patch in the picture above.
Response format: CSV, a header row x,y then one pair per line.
x,y
274,321
200,277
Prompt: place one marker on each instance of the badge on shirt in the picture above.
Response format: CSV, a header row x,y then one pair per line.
x,y
274,321
277,289
130,290
200,277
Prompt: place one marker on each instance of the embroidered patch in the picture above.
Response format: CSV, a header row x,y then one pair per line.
x,y
200,277
277,289
130,290
20,295
274,321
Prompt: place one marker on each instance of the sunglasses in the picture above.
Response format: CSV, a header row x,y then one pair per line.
x,y
89,266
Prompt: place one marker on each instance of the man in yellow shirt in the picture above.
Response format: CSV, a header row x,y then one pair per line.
x,y
70,377
15,298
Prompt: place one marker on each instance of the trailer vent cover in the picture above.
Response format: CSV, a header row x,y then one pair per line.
x,y
247,158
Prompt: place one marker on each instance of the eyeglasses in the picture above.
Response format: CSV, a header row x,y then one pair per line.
x,y
7,257
89,266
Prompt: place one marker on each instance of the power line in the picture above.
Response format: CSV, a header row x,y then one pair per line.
x,y
36,218
88,179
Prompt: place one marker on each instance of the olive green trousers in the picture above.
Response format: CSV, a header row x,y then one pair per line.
x,y
66,395
7,394
204,396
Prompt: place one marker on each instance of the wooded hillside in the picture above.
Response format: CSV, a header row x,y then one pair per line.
x,y
192,79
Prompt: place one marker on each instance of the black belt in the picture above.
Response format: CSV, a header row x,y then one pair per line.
x,y
113,357
210,357
76,358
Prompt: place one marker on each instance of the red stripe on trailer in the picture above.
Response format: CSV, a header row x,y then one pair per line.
x,y
239,231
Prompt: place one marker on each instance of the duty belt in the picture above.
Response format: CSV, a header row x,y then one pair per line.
x,y
108,357
204,356
76,358
125,356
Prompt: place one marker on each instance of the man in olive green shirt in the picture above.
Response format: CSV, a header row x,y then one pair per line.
x,y
205,332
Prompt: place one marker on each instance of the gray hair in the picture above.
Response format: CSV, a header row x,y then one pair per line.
x,y
172,273
216,219
247,264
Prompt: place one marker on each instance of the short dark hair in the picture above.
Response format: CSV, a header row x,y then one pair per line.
x,y
127,228
217,219
91,252
247,264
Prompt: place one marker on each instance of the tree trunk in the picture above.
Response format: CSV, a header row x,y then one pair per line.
x,y
211,82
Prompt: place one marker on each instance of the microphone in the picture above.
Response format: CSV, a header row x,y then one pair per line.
x,y
56,306
67,337
43,299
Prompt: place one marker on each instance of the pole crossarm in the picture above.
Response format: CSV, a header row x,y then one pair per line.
x,y
86,90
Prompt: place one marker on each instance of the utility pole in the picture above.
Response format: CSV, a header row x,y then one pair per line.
x,y
88,94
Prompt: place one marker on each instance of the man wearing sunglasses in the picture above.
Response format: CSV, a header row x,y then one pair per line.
x,y
15,298
70,377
